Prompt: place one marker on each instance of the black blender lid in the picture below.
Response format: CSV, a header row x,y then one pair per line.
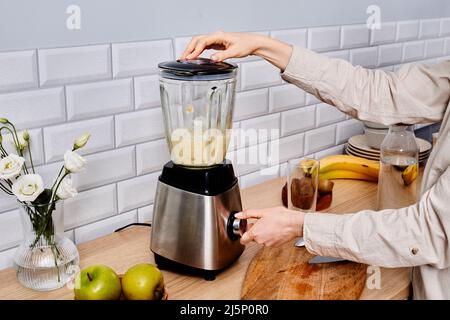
x,y
197,67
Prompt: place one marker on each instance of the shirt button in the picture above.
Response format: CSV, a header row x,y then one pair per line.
x,y
414,251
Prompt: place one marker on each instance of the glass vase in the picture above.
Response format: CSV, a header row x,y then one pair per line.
x,y
46,259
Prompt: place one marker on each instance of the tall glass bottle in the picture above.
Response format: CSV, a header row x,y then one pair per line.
x,y
399,168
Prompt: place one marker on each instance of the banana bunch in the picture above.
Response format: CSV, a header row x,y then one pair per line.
x,y
349,167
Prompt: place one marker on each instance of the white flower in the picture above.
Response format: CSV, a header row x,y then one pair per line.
x,y
28,187
73,162
11,166
66,189
81,141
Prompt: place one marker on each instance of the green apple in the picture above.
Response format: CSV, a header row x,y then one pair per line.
x,y
143,282
97,282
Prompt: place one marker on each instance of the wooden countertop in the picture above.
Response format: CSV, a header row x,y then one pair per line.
x,y
123,249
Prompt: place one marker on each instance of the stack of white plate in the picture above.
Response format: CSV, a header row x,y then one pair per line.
x,y
358,146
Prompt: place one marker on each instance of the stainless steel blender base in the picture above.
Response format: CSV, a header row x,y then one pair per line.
x,y
196,230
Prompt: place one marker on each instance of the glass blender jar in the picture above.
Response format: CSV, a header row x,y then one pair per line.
x,y
197,98
194,226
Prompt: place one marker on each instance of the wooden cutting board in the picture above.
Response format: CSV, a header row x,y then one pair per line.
x,y
283,273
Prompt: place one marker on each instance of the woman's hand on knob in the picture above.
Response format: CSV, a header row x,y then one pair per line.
x,y
273,226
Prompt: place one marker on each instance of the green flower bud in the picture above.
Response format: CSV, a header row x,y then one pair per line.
x,y
4,120
26,136
81,141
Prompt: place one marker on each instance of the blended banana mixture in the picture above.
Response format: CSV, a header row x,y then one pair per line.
x,y
198,147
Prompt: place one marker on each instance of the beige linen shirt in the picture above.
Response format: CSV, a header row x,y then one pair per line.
x,y
414,94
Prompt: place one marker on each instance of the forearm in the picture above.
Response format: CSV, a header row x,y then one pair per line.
x,y
410,236
274,51
412,95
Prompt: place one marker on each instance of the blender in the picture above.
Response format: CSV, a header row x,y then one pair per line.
x,y
197,196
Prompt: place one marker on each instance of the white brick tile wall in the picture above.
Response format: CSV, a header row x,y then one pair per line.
x,y
249,159
339,149
260,176
99,99
296,37
112,91
257,74
70,234
90,206
390,54
347,129
59,139
387,68
29,109
445,27
104,227
355,36
146,91
264,126
137,192
68,65
429,28
385,34
319,139
342,54
251,104
145,214
365,57
151,156
297,120
48,172
324,38
6,258
285,97
286,148
10,221
137,58
407,30
18,70
447,46
414,50
7,202
106,167
140,126
327,114
434,48
311,99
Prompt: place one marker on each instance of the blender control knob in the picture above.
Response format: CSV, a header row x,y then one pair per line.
x,y
236,227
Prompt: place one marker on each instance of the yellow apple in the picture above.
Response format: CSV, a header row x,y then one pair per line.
x,y
143,282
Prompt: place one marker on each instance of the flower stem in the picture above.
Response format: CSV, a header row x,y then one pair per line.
x,y
3,150
50,206
53,198
57,178
31,157
17,139
5,189
16,142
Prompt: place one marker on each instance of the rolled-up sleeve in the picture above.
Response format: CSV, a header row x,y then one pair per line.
x,y
414,94
411,236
